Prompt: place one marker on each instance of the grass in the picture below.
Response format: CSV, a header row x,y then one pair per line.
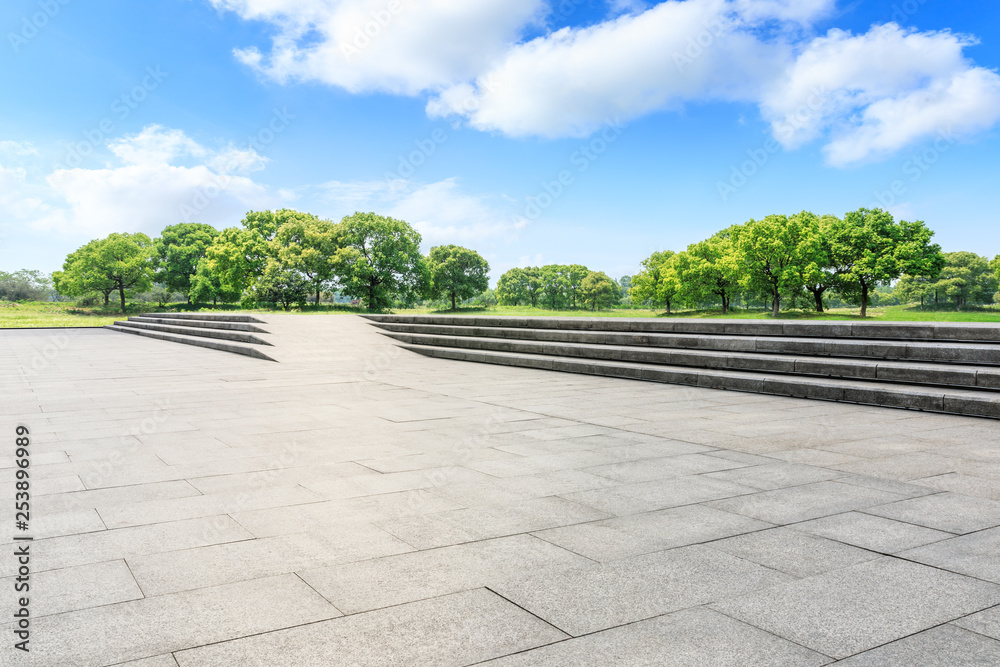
x,y
886,314
63,314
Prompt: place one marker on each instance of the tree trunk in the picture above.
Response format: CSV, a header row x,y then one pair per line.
x,y
317,295
864,300
668,307
819,300
725,304
453,301
215,301
107,299
121,293
371,296
775,304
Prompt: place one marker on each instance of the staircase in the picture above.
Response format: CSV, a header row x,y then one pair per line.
x,y
229,333
939,367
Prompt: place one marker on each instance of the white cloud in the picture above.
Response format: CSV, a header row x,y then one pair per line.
x,y
442,212
573,80
148,192
397,46
18,148
947,109
883,89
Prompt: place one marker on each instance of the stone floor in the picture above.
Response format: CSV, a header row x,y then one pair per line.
x,y
360,505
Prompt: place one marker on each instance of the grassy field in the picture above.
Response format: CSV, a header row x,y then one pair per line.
x,y
888,314
46,314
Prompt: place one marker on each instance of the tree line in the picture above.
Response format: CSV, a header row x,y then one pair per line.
x,y
800,259
277,257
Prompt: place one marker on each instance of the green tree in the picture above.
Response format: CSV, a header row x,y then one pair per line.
x,y
82,274
709,270
657,281
306,244
282,286
207,285
574,274
875,250
180,249
25,285
379,259
599,290
512,287
554,284
966,278
912,288
824,273
457,272
775,253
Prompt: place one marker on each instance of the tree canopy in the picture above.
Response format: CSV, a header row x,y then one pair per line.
x,y
457,273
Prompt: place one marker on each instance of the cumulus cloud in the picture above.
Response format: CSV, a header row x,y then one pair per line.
x,y
396,46
864,95
442,212
164,177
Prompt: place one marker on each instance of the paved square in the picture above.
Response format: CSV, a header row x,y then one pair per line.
x,y
357,504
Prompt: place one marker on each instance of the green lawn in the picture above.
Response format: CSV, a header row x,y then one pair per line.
x,y
45,314
888,314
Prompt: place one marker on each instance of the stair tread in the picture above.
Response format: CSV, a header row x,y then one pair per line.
x,y
944,331
860,361
199,332
888,386
199,341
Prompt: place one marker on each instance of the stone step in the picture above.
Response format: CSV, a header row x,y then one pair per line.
x,y
948,375
222,334
961,352
210,317
954,401
200,341
927,331
206,324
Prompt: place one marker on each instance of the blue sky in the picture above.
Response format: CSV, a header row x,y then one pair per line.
x,y
664,121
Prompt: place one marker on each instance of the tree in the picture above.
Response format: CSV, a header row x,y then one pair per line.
x,y
574,274
512,287
180,249
379,258
128,260
554,284
598,289
709,270
824,274
120,262
25,285
775,253
458,273
911,288
966,278
875,250
306,244
82,274
207,285
657,281
282,286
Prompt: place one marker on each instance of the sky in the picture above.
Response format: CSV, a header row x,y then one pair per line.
x,y
534,131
